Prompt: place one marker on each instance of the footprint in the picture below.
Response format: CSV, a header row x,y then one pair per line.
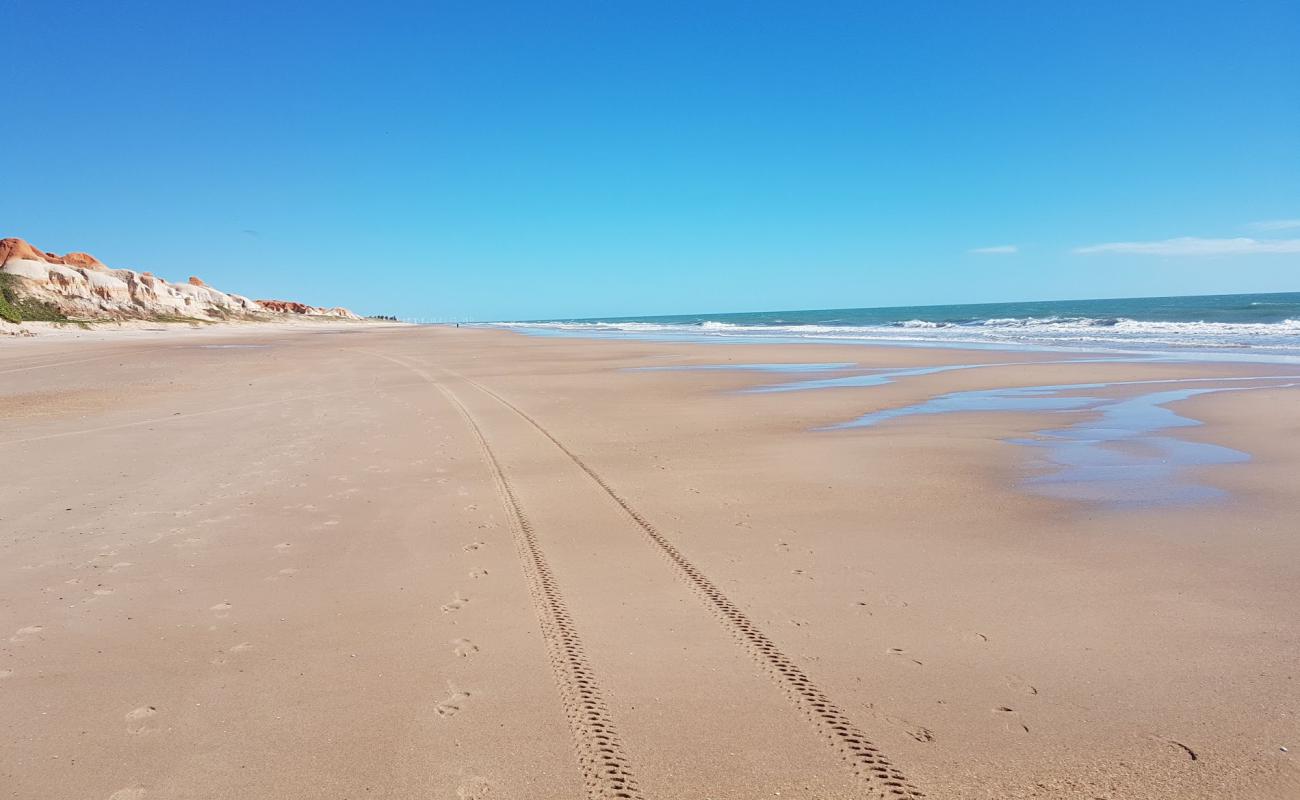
x,y
471,547
455,605
917,732
24,633
1174,744
129,793
103,591
898,651
141,720
474,788
478,573
1013,721
464,647
289,571
1019,684
5,673
221,609
283,546
237,649
121,565
450,706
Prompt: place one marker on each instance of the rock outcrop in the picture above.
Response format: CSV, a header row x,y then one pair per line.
x,y
80,286
291,307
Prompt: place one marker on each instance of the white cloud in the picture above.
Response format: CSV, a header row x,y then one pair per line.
x,y
1002,249
1274,225
1195,246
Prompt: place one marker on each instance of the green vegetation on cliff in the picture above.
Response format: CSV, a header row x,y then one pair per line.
x,y
16,308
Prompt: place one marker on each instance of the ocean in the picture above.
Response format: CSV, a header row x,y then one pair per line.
x,y
1242,324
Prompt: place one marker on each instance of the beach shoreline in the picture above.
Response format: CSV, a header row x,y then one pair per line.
x,y
1219,327
302,561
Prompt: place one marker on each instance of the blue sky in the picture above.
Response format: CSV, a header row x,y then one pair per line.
x,y
513,161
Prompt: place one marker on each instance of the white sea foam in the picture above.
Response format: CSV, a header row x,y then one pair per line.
x,y
1278,338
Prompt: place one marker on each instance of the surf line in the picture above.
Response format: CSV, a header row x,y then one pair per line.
x,y
871,768
606,769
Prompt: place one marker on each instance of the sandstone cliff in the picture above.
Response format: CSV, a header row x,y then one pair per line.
x,y
41,285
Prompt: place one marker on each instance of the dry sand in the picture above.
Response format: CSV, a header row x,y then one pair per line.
x,y
440,563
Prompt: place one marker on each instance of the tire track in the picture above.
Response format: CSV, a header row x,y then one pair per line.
x,y
606,770
874,772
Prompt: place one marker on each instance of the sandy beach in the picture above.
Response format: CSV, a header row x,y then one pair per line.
x,y
427,562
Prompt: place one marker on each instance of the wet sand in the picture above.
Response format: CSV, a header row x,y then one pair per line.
x,y
455,563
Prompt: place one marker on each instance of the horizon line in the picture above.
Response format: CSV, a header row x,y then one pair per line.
x,y
635,317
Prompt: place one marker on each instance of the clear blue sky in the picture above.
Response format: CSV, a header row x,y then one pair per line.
x,y
511,161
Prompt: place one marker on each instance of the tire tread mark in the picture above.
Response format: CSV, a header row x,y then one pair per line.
x,y
606,770
875,773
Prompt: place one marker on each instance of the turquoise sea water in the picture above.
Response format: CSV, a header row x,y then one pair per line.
x,y
1262,324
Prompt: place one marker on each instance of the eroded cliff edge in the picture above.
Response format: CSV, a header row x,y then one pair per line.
x,y
39,286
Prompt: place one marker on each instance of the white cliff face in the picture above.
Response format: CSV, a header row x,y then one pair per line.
x,y
120,292
81,287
